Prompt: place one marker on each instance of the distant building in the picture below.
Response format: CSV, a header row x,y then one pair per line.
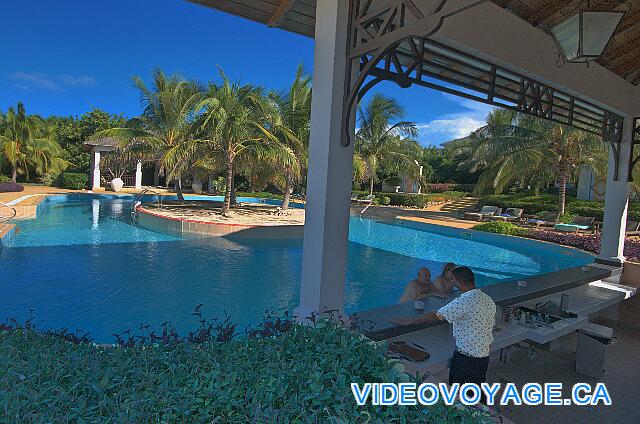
x,y
590,185
406,185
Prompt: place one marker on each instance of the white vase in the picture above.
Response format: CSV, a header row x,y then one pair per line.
x,y
196,186
116,184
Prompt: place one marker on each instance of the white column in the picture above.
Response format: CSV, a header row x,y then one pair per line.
x,y
95,169
615,202
326,229
139,175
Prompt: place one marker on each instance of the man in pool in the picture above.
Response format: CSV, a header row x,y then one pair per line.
x,y
473,315
418,287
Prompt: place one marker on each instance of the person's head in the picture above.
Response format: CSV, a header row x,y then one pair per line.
x,y
464,278
447,270
424,274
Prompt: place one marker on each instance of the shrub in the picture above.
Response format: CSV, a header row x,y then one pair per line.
x,y
4,179
442,187
548,202
49,179
11,187
385,200
501,227
530,203
259,194
72,181
302,375
421,200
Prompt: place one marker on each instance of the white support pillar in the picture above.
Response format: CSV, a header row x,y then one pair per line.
x,y
95,169
615,202
139,175
326,229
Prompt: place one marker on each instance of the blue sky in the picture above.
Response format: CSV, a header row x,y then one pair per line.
x,y
63,58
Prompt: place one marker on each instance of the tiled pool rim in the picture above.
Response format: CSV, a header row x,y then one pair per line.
x,y
156,222
480,236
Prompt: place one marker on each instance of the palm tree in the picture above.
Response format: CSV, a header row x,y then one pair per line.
x,y
167,121
230,119
380,140
288,121
26,142
515,147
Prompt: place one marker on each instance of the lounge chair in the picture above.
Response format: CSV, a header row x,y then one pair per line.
x,y
579,223
510,214
485,212
367,200
632,228
543,219
354,197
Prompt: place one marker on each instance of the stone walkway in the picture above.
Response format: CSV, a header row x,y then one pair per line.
x,y
35,189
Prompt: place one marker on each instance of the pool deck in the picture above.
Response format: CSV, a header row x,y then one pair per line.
x,y
436,214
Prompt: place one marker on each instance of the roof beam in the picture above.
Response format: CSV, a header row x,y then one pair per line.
x,y
617,49
546,12
621,62
280,12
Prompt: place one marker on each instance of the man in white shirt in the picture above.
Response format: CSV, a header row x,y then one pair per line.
x,y
473,316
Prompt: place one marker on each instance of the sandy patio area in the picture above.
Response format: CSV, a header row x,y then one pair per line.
x,y
243,214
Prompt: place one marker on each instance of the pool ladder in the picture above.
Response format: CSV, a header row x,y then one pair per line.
x,y
7,215
138,200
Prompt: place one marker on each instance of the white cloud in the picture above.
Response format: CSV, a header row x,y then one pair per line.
x,y
79,81
455,125
33,80
453,128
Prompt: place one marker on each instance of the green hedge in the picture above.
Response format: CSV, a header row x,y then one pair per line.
x,y
4,179
442,187
549,202
412,200
259,194
301,376
72,181
500,227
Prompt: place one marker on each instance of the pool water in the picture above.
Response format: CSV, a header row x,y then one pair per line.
x,y
83,265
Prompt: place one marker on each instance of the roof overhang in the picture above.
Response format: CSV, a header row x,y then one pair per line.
x,y
496,31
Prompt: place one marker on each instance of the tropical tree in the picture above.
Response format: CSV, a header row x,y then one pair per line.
x,y
519,148
287,121
231,119
384,139
167,122
72,132
26,143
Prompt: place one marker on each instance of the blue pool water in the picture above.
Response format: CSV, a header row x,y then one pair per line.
x,y
83,265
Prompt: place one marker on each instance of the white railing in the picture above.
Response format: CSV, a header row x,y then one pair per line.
x,y
138,200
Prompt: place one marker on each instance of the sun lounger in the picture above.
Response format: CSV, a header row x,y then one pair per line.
x,y
632,228
579,223
511,214
544,219
485,212
367,200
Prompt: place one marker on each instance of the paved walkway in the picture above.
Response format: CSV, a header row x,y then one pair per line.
x,y
35,189
439,215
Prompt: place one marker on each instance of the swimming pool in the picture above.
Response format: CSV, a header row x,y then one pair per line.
x,y
82,264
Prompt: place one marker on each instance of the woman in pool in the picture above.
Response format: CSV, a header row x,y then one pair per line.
x,y
445,281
